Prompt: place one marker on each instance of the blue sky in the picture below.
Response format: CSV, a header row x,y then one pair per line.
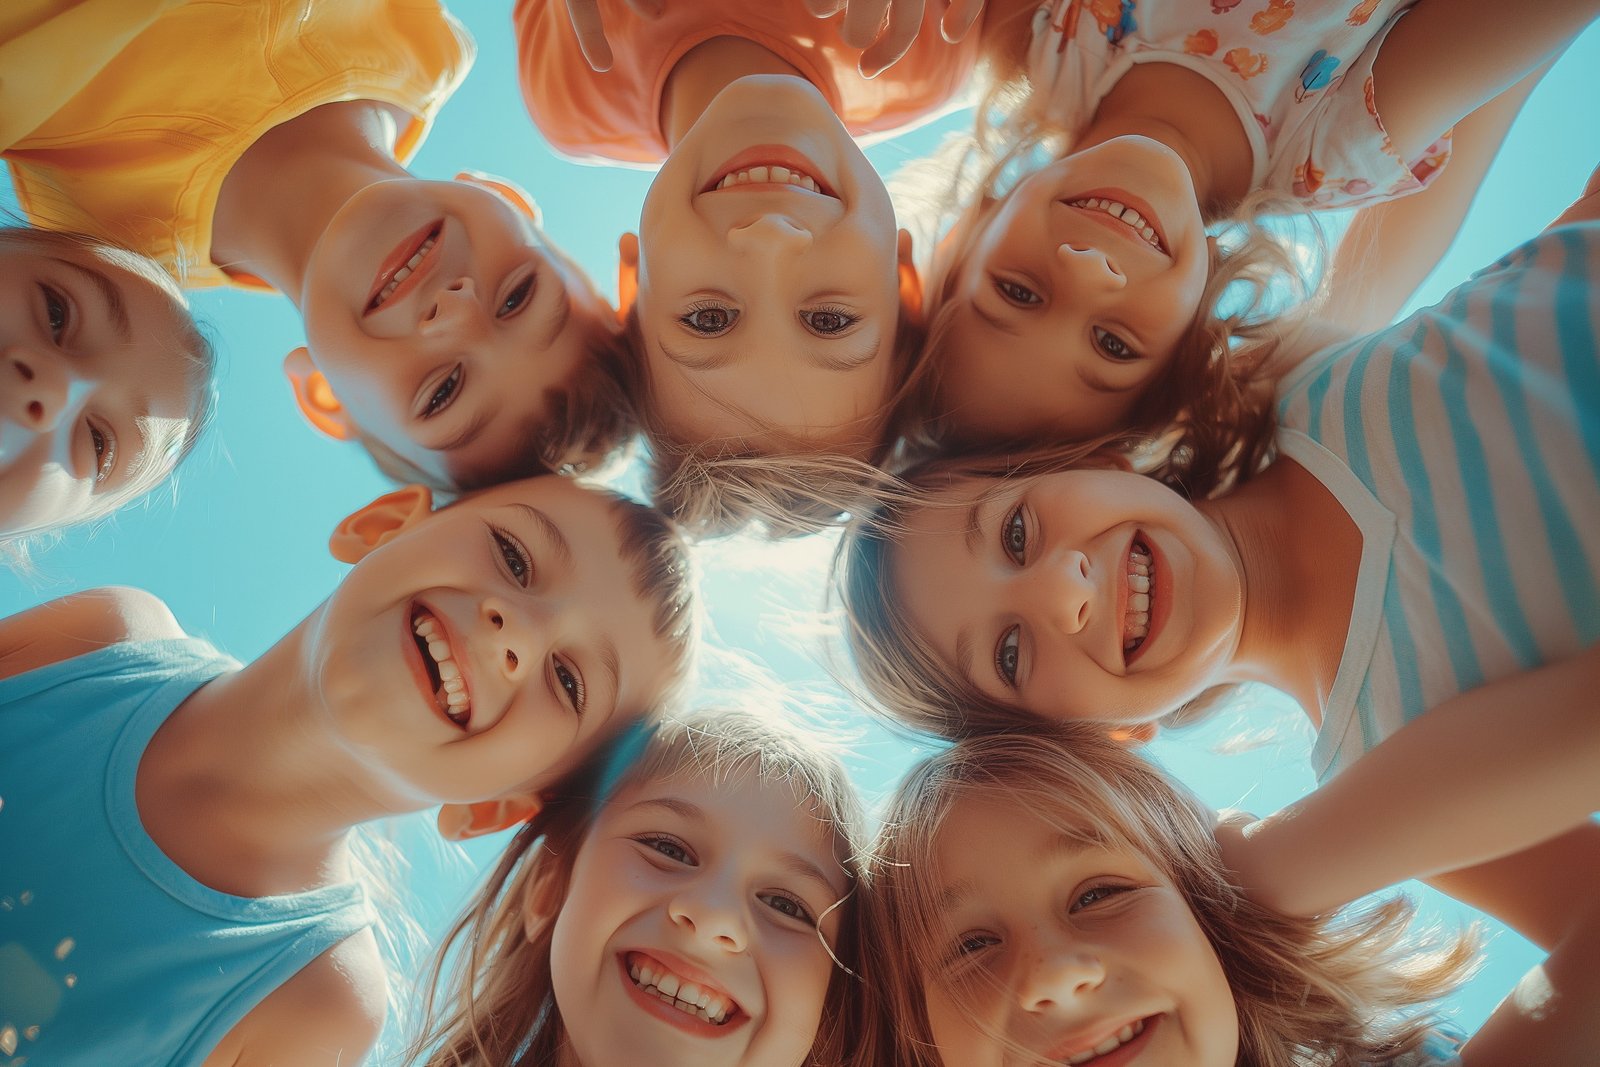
x,y
237,547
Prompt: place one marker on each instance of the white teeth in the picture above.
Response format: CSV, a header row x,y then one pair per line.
x,y
1124,214
1136,620
452,682
686,996
1110,1044
770,175
404,272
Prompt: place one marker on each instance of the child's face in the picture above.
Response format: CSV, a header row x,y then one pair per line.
x,y
95,388
446,323
489,646
710,887
1090,950
768,307
1065,315
1088,594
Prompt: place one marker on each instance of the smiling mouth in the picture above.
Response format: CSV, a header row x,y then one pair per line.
x,y
444,674
1141,568
653,978
770,175
1107,1046
1140,226
391,278
768,167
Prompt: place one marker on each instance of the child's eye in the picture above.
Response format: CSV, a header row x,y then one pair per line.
x,y
1114,347
444,394
105,452
1014,536
710,320
1099,894
791,906
517,298
828,321
1017,293
57,312
1006,655
669,847
970,943
513,556
572,685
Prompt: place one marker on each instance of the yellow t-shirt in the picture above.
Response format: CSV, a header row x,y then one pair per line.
x,y
132,137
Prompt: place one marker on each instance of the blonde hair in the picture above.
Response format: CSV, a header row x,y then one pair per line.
x,y
720,487
1326,990
499,1006
588,414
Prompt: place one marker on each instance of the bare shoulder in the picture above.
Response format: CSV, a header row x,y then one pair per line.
x,y
328,1015
80,623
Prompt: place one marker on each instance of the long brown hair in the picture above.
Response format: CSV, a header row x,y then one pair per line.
x,y
1336,989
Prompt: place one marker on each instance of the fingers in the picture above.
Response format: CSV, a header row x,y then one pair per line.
x,y
905,19
861,21
591,31
824,8
958,19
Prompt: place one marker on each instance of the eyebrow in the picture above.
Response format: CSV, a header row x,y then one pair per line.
x,y
1100,385
972,534
715,359
469,433
552,533
792,862
953,895
562,316
826,356
1005,327
110,293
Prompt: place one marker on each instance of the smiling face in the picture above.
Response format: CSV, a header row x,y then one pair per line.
x,y
768,276
489,646
1093,958
1086,594
97,383
1074,295
702,887
447,324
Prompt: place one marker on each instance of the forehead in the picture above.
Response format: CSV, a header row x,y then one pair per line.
x,y
984,836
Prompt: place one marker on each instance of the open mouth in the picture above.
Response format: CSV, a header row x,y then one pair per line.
x,y
1140,569
765,166
1144,226
449,684
403,263
695,1000
1128,1035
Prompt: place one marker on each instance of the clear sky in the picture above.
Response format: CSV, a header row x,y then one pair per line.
x,y
238,547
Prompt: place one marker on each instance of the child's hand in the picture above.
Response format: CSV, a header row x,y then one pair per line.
x,y
887,28
586,22
1587,207
1239,857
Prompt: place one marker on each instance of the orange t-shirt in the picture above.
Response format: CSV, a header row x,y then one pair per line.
x,y
615,116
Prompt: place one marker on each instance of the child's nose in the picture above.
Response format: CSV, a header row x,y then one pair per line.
x,y
456,315
1065,590
1056,974
770,233
1087,266
38,389
712,912
515,637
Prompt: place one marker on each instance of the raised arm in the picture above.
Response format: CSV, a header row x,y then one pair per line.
x,y
1485,774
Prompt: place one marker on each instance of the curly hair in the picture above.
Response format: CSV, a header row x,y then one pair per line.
x,y
1336,989
499,1007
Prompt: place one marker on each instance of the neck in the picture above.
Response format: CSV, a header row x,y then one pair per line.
x,y
279,198
1293,547
1188,114
706,70
248,787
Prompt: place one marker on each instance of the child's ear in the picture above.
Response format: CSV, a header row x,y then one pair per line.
x,y
315,396
507,190
379,521
910,280
457,822
627,273
543,902
1134,735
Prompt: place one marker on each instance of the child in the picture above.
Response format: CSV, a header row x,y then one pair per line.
x,y
260,144
704,909
1427,530
175,826
1084,300
1056,898
771,303
105,379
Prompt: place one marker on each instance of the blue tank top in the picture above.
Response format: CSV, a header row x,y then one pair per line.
x,y
109,952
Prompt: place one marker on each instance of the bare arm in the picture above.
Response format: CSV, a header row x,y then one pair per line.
x,y
1485,774
1391,247
1447,58
80,623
